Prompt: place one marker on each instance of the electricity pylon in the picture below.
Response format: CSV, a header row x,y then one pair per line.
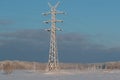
x,y
53,64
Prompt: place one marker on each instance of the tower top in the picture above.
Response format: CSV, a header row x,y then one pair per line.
x,y
57,4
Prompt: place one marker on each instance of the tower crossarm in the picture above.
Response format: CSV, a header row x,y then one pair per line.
x,y
58,12
47,13
54,21
55,12
48,21
59,21
48,30
59,29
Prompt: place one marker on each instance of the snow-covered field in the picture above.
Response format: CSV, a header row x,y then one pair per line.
x,y
64,75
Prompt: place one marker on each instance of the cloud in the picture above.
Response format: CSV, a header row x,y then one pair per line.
x,y
6,22
72,47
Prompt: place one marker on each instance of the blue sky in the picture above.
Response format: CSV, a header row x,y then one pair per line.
x,y
90,17
96,20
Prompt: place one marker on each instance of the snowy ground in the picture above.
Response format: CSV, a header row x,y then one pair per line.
x,y
64,75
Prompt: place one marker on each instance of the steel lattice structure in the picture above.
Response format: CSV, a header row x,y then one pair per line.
x,y
53,64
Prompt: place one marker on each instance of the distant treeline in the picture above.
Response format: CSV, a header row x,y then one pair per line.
x,y
9,66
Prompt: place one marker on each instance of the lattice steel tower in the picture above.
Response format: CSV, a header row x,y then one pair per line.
x,y
53,64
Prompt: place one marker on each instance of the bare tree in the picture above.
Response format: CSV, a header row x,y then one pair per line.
x,y
8,67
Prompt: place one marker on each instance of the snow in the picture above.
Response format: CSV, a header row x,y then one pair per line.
x,y
63,75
